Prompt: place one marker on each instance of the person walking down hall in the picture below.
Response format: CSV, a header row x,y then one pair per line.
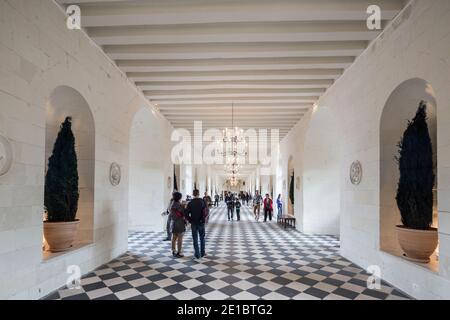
x,y
230,206
169,219
178,225
197,215
237,204
279,207
257,199
268,208
207,199
216,200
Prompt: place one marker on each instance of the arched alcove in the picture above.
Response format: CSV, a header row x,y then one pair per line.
x,y
148,173
321,184
290,173
63,102
400,107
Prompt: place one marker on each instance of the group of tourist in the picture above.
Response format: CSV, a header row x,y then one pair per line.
x,y
267,204
195,211
233,203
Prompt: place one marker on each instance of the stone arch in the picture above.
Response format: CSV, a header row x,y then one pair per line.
x,y
400,107
65,101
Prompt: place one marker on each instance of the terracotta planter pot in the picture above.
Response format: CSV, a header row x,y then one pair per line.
x,y
418,245
60,236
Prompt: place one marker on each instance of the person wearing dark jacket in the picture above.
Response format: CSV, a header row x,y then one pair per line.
x,y
207,199
268,207
169,219
229,200
178,225
237,205
196,214
216,200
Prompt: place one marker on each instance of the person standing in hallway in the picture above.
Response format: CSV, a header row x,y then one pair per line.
x,y
257,199
178,225
268,207
230,206
216,200
169,219
279,206
197,215
238,209
207,199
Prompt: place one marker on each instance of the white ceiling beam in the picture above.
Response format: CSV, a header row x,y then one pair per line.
x,y
244,32
231,93
278,63
187,12
226,113
238,108
311,99
227,85
239,75
236,50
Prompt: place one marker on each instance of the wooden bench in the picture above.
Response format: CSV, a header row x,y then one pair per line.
x,y
287,221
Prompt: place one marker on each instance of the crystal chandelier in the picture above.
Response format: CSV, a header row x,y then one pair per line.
x,y
234,140
233,178
232,165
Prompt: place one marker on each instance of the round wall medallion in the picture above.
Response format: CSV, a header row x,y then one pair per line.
x,y
356,173
115,174
6,155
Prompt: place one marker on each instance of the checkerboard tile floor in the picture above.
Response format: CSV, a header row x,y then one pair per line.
x,y
246,260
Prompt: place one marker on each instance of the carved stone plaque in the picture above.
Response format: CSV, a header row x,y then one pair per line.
x,y
115,174
6,155
356,173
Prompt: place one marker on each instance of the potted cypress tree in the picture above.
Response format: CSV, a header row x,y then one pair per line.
x,y
291,189
61,192
415,190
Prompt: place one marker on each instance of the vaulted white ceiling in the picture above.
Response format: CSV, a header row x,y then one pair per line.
x,y
194,58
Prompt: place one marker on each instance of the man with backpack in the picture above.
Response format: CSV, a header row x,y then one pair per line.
x,y
197,215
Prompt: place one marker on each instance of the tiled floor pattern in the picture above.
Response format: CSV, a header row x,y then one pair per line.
x,y
246,260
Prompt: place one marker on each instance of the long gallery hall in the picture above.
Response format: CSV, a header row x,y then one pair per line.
x,y
224,150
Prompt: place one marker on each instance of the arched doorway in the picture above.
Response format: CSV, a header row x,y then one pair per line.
x,y
65,102
400,107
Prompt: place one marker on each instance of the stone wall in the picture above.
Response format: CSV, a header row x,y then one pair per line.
x,y
415,45
38,53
